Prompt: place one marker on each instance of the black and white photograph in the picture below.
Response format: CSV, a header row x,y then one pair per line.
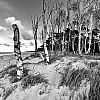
x,y
49,49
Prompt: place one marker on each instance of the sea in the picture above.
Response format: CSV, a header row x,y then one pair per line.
x,y
12,53
6,53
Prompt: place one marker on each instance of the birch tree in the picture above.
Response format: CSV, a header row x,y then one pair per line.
x,y
52,26
35,23
68,21
17,51
94,16
45,22
48,8
90,31
80,15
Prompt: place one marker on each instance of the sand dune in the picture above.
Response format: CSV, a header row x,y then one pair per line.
x,y
64,79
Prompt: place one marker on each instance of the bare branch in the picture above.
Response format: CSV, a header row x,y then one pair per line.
x,y
32,22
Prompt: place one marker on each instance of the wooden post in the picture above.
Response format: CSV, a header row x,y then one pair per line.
x,y
17,50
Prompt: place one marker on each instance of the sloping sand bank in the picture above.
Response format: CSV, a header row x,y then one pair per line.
x,y
68,78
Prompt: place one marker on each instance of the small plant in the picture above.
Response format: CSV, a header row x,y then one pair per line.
x,y
85,83
31,80
7,71
8,92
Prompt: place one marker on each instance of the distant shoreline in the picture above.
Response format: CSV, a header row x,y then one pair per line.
x,y
6,53
12,53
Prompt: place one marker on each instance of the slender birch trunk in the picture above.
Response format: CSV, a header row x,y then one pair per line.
x,y
86,40
52,42
35,28
85,44
67,26
63,42
45,32
90,37
94,47
73,43
99,45
35,37
52,32
79,44
82,47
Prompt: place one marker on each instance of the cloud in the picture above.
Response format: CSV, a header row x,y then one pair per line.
x,y
6,6
2,28
26,38
28,45
31,44
6,45
6,41
4,48
12,20
25,33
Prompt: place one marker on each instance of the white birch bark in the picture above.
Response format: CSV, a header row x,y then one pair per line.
x,y
45,32
90,36
17,51
86,35
79,44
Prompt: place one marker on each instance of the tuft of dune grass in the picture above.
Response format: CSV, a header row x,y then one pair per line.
x,y
69,79
83,82
8,91
32,80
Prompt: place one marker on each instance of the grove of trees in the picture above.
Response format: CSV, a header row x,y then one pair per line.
x,y
71,27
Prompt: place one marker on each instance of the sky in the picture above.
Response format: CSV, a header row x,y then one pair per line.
x,y
18,12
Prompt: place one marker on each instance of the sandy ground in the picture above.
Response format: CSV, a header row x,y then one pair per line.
x,y
42,91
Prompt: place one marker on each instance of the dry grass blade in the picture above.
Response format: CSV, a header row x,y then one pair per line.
x,y
8,92
31,80
85,83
